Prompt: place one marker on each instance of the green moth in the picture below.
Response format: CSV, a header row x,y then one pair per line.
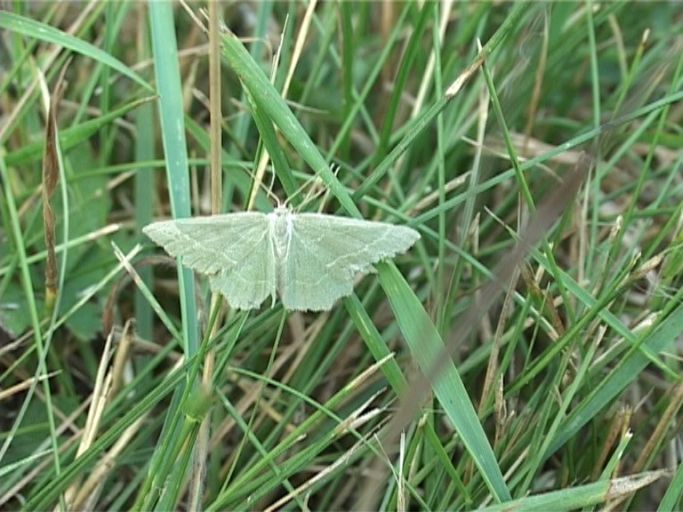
x,y
310,260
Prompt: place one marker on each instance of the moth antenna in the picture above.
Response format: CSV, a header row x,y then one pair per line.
x,y
323,201
320,192
298,191
267,189
271,185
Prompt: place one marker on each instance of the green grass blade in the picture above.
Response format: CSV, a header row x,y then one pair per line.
x,y
575,498
672,498
34,29
426,345
175,148
268,98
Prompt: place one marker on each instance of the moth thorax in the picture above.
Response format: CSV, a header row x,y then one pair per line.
x,y
281,229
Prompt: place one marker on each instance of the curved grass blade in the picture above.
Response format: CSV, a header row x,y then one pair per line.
x,y
423,341
31,28
175,149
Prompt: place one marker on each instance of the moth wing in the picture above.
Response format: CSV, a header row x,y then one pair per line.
x,y
327,252
234,250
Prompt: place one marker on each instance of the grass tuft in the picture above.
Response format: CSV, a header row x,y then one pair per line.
x,y
525,354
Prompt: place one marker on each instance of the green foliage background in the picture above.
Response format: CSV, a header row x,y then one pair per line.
x,y
564,394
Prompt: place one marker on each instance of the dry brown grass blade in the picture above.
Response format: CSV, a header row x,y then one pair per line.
x,y
617,430
623,488
662,429
198,482
50,180
101,395
9,392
